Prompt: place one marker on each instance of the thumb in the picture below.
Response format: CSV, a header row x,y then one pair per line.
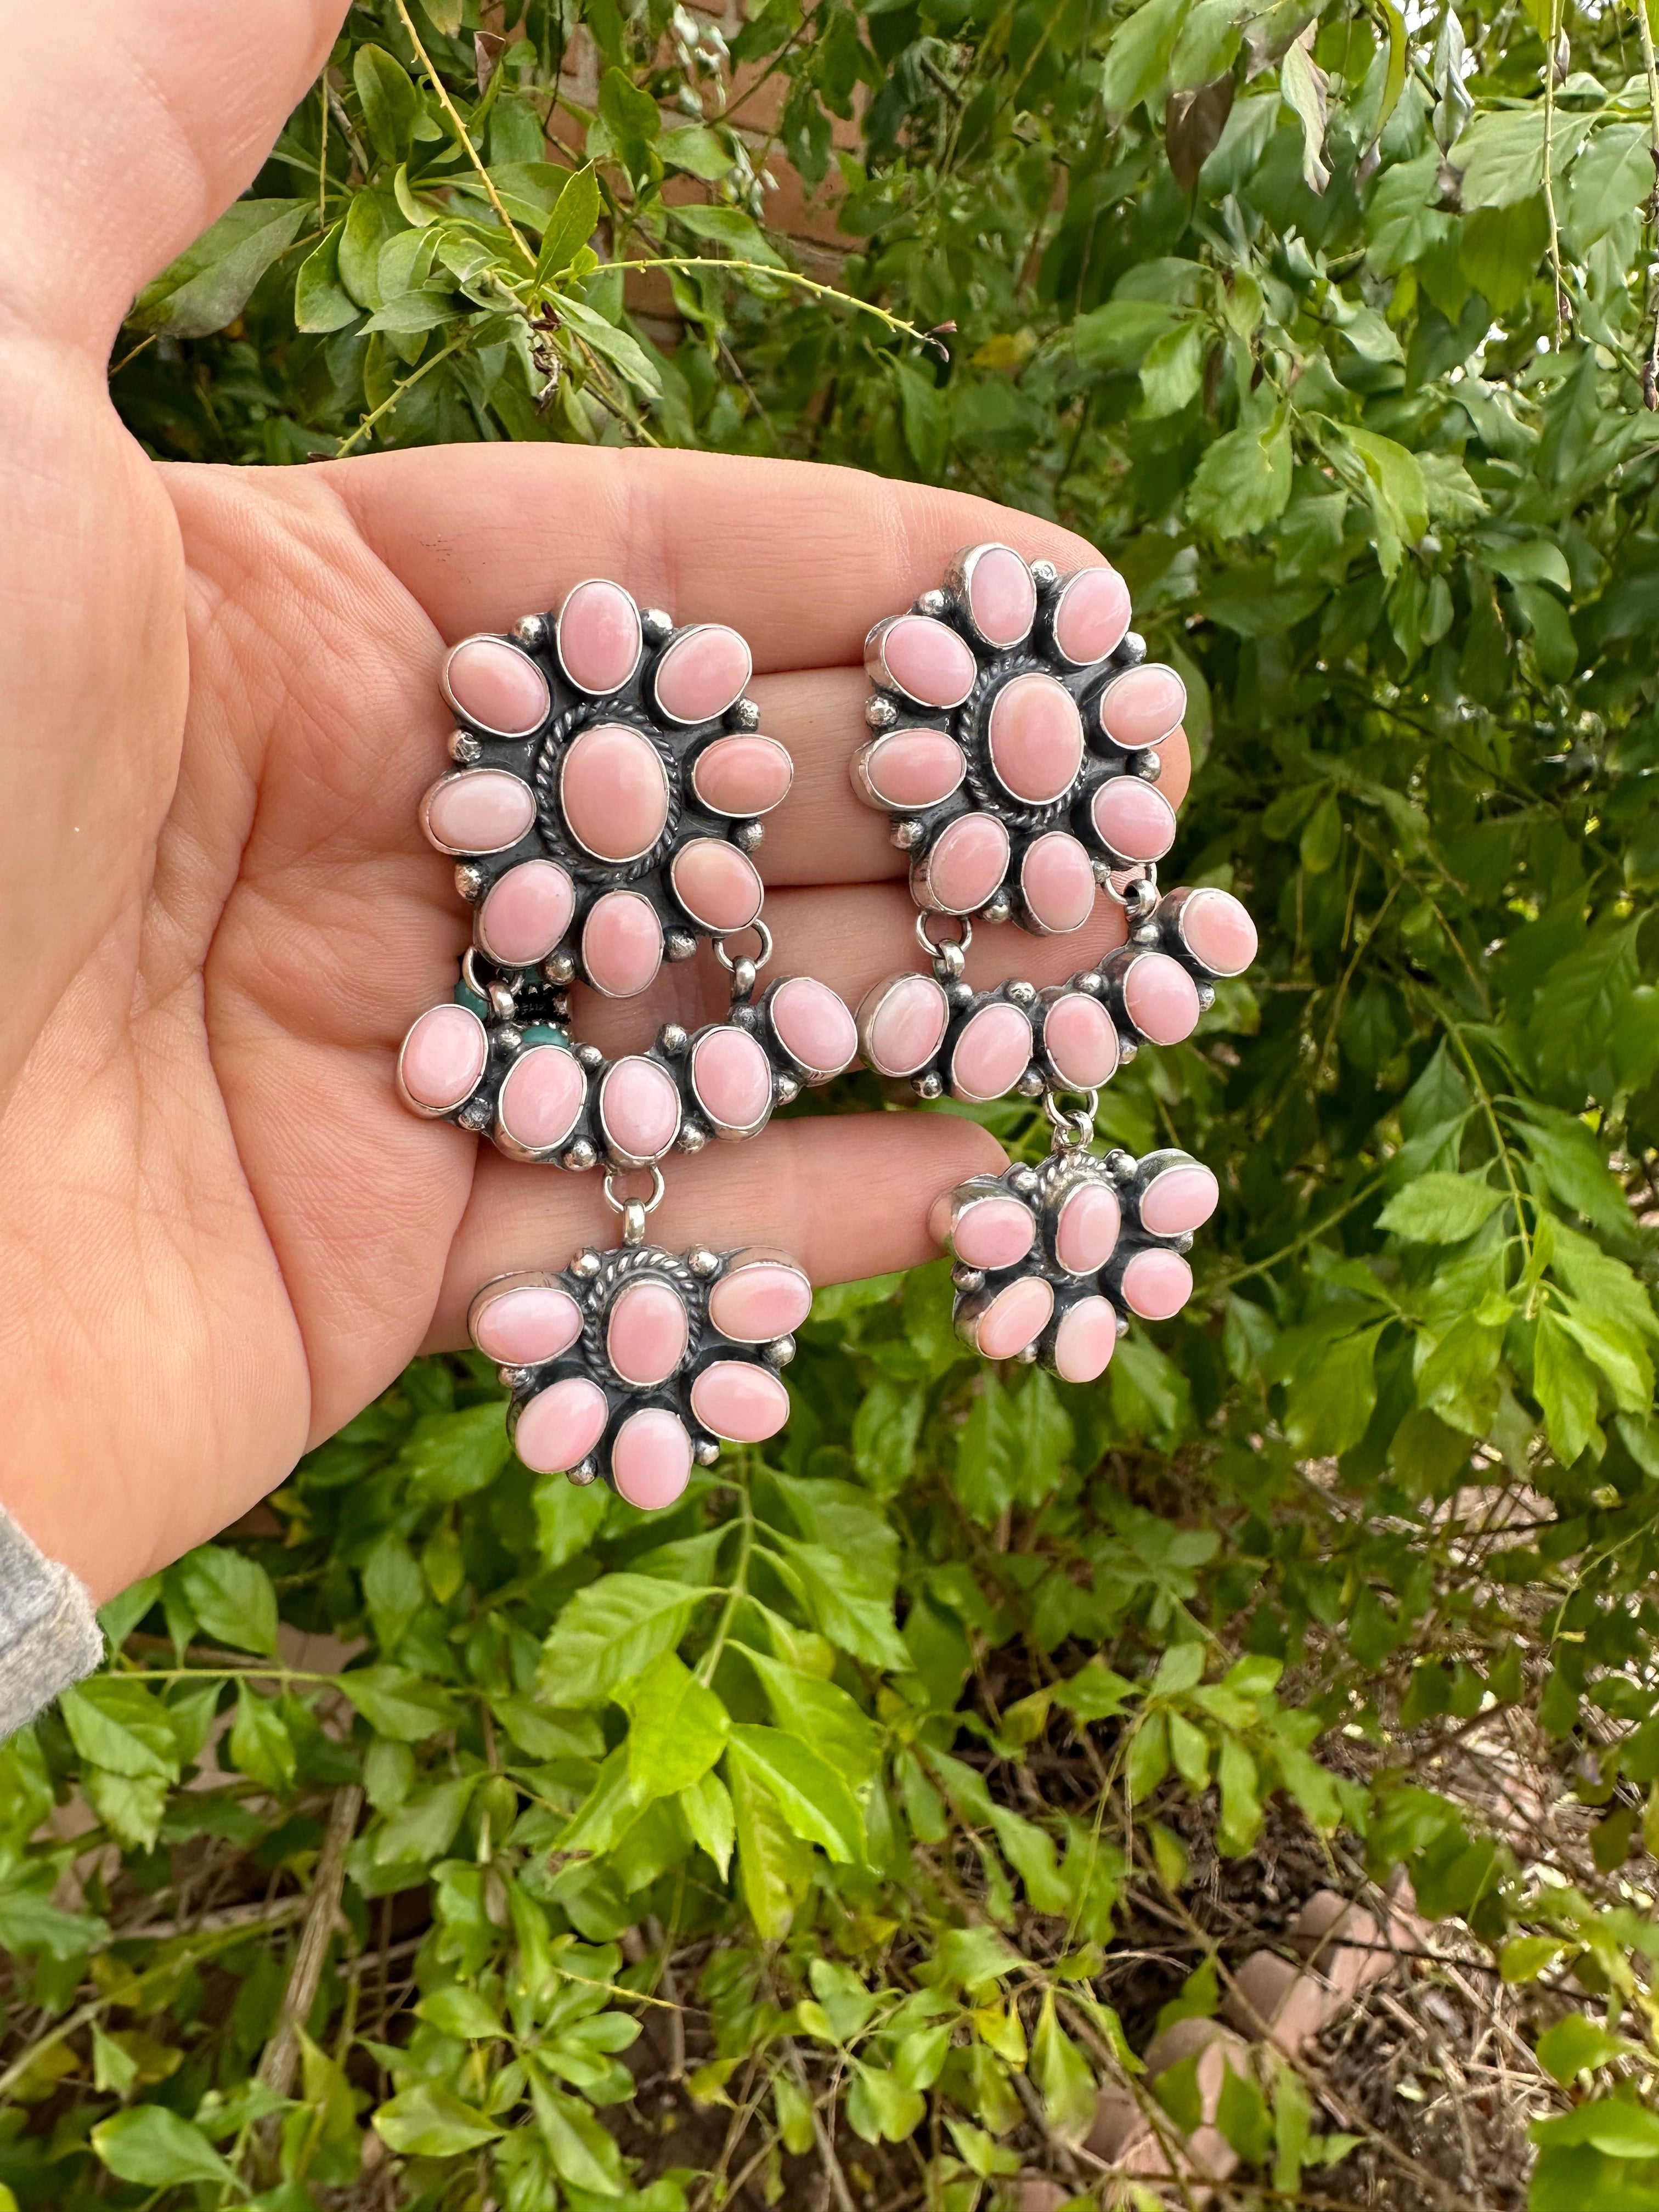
x,y
123,139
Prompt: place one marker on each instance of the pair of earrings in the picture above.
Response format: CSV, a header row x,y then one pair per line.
x,y
610,785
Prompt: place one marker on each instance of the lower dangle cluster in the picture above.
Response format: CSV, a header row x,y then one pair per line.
x,y
1053,1260
631,1364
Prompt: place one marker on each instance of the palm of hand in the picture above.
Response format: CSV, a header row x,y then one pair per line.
x,y
222,1235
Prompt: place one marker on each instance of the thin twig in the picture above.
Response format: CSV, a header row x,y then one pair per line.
x,y
279,2060
463,134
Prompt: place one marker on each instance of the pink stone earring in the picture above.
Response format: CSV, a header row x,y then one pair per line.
x,y
609,786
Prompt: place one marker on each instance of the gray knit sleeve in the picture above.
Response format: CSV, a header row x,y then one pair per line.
x,y
49,1635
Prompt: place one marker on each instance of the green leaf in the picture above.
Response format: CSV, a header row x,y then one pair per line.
x,y
430,2121
1137,55
1302,83
460,2012
811,1797
570,224
1243,2116
1070,2095
394,1589
1243,482
1499,250
610,1633
707,1806
321,303
396,1702
423,1829
584,2153
820,1713
680,1728
451,1456
260,1744
208,286
1563,1383
1441,1209
1241,1803
699,151
1610,2125
774,1868
880,2108
729,226
114,1722
156,2147
388,100
619,347
232,1597
1577,2045
632,118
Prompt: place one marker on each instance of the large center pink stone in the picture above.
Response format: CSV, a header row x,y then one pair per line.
x,y
645,1334
498,687
1036,739
561,1426
522,1328
1015,1318
1092,615
743,776
1058,882
928,661
731,1078
526,913
760,1300
716,885
989,1232
1001,596
484,810
639,1108
1087,1229
542,1097
740,1402
814,1027
1137,823
1143,706
968,863
902,1023
1081,1041
1085,1340
443,1056
1161,999
992,1054
622,944
613,788
914,768
651,1459
1180,1200
1156,1285
598,637
1219,932
703,673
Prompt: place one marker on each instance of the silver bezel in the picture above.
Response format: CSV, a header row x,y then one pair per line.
x,y
875,663
1127,676
610,584
670,645
740,737
1054,604
958,582
415,1105
614,860
469,852
489,637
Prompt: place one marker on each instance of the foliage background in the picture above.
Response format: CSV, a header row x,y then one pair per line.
x,y
858,1818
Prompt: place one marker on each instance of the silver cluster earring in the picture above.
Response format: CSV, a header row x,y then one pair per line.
x,y
610,786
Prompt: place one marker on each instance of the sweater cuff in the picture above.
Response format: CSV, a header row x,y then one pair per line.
x,y
49,1634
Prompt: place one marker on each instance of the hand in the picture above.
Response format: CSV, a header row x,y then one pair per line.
x,y
222,1235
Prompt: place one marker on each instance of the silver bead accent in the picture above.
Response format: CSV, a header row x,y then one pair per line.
x,y
1103,873
1089,981
500,1002
880,713
934,603
656,624
509,1036
926,1087
961,995
468,881
1127,1050
1031,1084
1023,995
744,975
968,1279
701,1261
1132,649
1147,934
1028,1357
1123,1324
475,1114
1205,996
582,1475
751,837
679,944
705,1451
787,1087
530,631
950,959
465,749
692,1137
744,715
1147,764
907,835
559,967
1118,1164
585,1264
671,1037
1044,575
1023,1180
582,1155
589,1056
513,1378
779,1352
996,910
1184,1244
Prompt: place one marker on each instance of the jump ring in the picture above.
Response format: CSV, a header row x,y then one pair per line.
x,y
761,958
935,946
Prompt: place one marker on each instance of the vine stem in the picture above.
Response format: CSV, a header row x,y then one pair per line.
x,y
1549,160
408,383
1650,67
894,323
463,133
734,1596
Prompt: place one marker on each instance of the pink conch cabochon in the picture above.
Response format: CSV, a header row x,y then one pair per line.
x,y
701,672
743,776
1087,1229
542,1097
1143,706
991,1054
814,1026
1156,1285
1036,737
992,1231
1218,930
965,865
1016,1317
740,1402
622,944
442,1058
651,1459
1136,821
901,1023
646,1333
1179,1199
526,913
759,1300
1085,1340
614,792
731,1079
525,1326
1057,882
1001,595
496,687
1079,1041
598,637
1091,615
924,658
560,1425
639,1108
481,810
717,885
912,768
1161,998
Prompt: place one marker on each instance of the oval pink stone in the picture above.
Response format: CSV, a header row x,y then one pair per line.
x,y
1087,1229
1081,1041
927,662
992,1054
1091,618
1036,736
598,637
483,809
902,1024
523,1328
1161,999
645,1334
498,687
731,1079
1085,1340
1001,596
743,776
814,1027
526,913
639,1108
1218,931
613,790
443,1056
717,885
1156,1285
542,1096
743,1403
1137,823
1143,706
561,1426
651,1459
915,767
703,673
968,864
622,944
1180,1200
759,1301
1058,882
1014,1318
989,1232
